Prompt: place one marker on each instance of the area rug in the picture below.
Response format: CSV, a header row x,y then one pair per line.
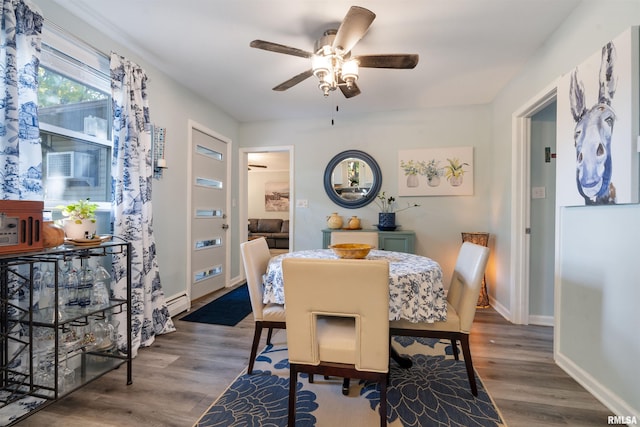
x,y
227,310
433,392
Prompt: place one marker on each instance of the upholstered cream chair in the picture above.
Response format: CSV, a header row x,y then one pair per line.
x,y
332,329
368,237
461,307
255,256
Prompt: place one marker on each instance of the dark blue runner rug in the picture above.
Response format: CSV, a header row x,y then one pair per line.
x,y
227,310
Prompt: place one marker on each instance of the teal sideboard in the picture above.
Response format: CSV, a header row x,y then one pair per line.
x,y
398,241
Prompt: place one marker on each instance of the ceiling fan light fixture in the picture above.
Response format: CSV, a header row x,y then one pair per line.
x,y
323,69
349,72
321,66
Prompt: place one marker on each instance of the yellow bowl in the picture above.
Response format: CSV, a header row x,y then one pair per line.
x,y
351,250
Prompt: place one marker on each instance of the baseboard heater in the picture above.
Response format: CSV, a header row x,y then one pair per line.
x,y
177,304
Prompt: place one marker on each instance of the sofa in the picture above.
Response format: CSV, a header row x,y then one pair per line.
x,y
275,230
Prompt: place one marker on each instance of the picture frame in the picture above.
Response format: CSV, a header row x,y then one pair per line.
x,y
597,127
436,172
276,196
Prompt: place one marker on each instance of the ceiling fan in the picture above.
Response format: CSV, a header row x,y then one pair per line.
x,y
331,60
257,166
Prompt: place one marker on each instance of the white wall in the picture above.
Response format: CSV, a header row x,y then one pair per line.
x,y
170,105
598,295
438,222
591,25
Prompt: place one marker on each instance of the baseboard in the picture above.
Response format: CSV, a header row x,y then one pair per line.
x,y
501,309
607,397
541,320
238,280
177,304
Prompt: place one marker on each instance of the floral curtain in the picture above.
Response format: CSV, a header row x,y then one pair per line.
x,y
20,152
131,173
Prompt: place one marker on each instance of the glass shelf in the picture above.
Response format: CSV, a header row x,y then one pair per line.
x,y
47,353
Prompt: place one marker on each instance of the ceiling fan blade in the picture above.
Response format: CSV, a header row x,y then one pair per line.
x,y
258,166
280,48
349,92
353,27
294,80
401,61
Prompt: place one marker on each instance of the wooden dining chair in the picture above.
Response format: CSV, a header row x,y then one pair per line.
x,y
331,329
461,307
255,257
367,237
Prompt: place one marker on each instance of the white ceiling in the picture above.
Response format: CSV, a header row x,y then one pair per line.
x,y
469,49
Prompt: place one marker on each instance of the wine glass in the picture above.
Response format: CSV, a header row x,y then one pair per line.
x,y
85,285
70,281
102,279
66,375
48,291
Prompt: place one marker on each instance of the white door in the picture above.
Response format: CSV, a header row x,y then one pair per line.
x,y
209,219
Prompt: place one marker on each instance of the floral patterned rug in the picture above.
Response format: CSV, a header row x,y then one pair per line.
x,y
434,391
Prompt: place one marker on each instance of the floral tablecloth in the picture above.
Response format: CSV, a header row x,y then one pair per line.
x,y
416,292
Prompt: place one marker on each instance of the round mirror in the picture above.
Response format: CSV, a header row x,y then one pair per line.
x,y
352,179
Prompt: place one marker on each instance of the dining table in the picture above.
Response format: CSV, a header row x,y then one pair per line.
x,y
416,290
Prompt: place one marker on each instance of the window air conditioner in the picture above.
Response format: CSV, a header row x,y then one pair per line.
x,y
73,166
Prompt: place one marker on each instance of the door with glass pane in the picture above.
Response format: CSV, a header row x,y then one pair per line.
x,y
209,226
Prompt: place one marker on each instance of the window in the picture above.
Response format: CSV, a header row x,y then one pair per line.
x,y
74,109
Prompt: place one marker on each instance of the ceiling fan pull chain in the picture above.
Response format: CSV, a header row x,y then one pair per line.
x,y
332,115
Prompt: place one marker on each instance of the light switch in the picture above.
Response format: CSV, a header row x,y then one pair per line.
x,y
538,193
302,203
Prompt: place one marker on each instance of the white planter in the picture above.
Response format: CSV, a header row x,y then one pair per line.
x,y
75,231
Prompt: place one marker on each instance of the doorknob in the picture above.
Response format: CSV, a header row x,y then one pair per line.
x,y
225,226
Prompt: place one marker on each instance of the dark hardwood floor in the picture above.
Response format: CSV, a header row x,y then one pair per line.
x,y
181,374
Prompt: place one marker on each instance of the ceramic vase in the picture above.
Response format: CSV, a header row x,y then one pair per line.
x,y
354,223
334,221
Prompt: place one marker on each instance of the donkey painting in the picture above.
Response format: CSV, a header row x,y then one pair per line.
x,y
593,130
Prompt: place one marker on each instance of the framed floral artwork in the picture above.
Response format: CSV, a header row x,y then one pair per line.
x,y
436,172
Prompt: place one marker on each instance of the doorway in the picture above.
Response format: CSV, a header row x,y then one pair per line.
x,y
520,279
542,211
264,169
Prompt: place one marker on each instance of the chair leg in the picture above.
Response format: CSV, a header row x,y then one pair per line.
x,y
345,386
466,352
293,383
254,346
383,402
269,336
454,348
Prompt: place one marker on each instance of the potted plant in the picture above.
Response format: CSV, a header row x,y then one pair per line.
x,y
433,172
387,214
79,219
454,171
411,170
